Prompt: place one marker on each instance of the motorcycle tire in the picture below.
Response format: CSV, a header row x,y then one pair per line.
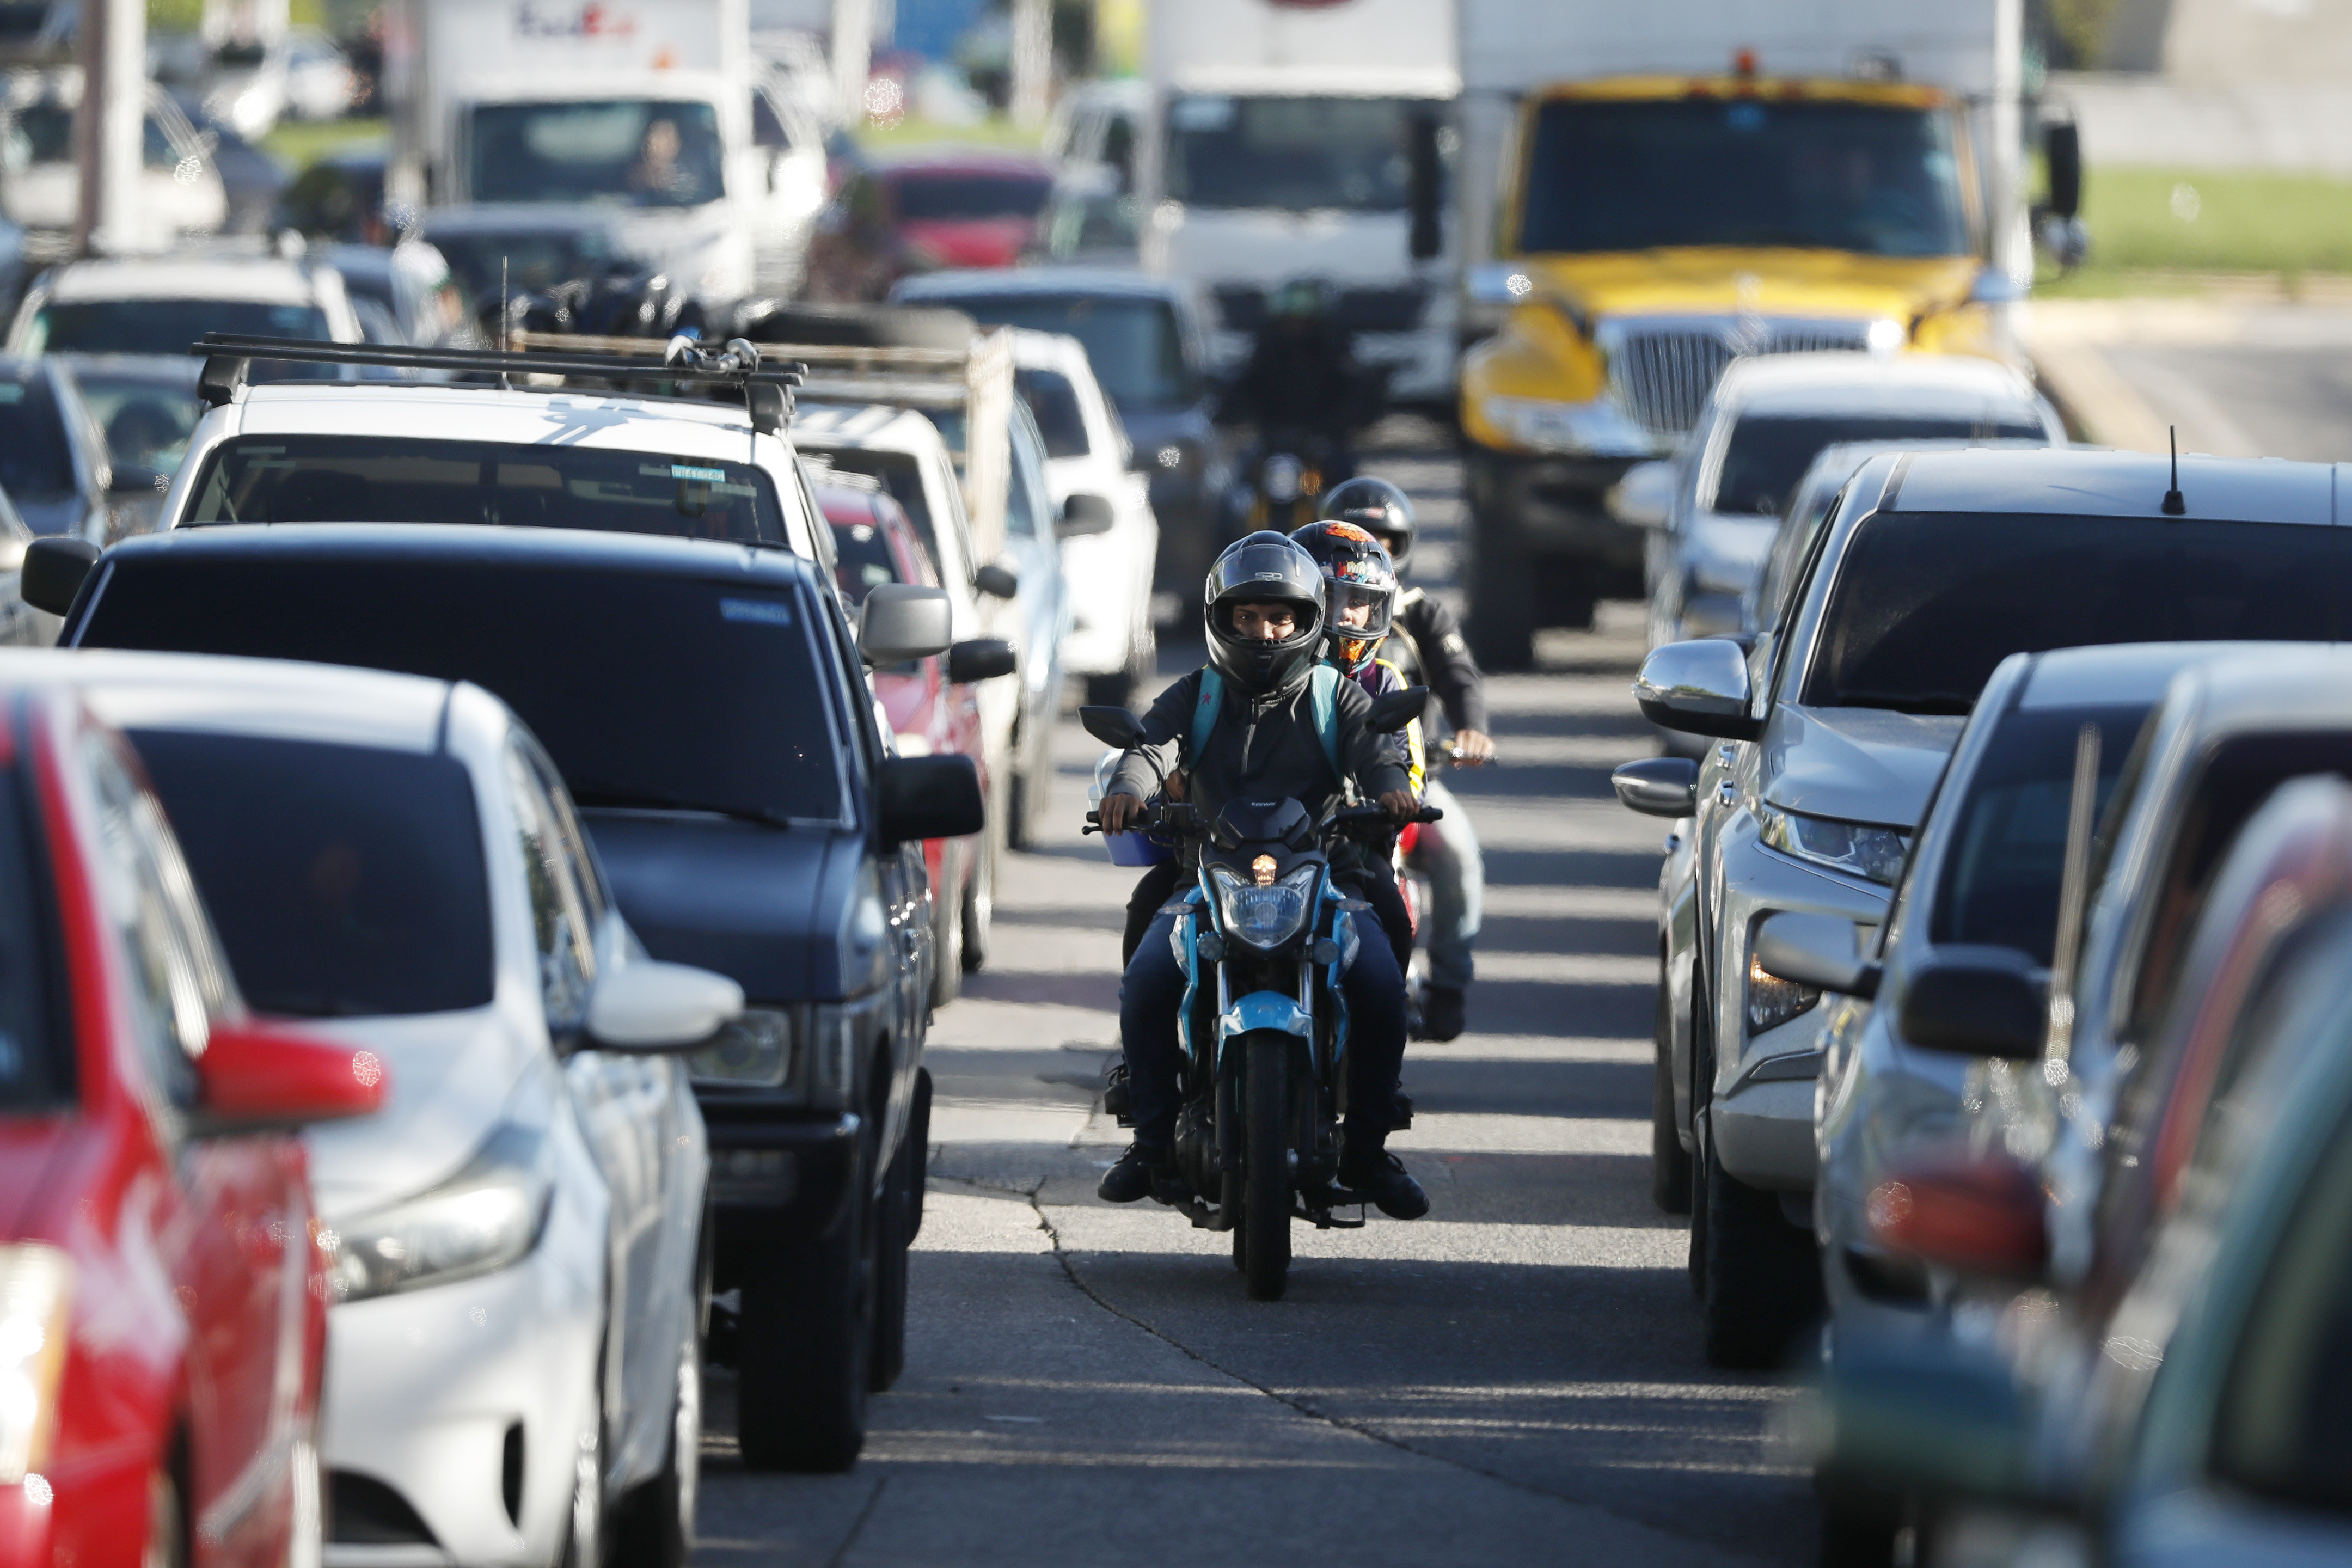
x,y
1266,1164
1236,1186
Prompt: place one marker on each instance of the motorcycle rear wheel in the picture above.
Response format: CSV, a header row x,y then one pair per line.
x,y
1265,1166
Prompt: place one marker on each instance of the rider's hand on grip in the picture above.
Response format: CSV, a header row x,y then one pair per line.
x,y
1118,813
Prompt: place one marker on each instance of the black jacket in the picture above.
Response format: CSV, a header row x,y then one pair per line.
x,y
1262,750
1426,644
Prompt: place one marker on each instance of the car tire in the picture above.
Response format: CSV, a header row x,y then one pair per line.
x,y
948,932
653,1525
894,1232
1670,1166
979,916
801,1363
1501,623
1761,1279
918,1130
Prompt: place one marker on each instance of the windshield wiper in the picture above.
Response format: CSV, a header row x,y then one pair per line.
x,y
1935,703
634,796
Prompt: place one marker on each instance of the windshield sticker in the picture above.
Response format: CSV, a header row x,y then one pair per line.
x,y
765,612
680,472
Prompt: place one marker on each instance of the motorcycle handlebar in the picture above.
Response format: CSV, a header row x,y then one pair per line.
x,y
1168,816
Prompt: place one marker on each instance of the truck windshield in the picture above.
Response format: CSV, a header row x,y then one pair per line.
x,y
1617,176
639,152
166,327
1292,153
1135,345
387,479
1925,604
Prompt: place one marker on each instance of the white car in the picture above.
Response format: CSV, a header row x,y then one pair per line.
x,y
159,305
301,73
1110,537
513,1354
180,189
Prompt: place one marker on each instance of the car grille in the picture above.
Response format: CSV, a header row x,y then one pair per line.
x,y
1661,375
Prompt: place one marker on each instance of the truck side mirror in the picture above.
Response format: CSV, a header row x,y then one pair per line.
x,y
2062,149
901,621
54,571
929,797
1977,1001
1112,726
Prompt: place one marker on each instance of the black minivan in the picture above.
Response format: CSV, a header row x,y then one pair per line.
x,y
708,707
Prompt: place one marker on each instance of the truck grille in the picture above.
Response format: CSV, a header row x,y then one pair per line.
x,y
1661,374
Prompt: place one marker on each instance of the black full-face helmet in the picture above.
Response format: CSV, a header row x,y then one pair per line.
x,y
1360,589
1264,568
1380,510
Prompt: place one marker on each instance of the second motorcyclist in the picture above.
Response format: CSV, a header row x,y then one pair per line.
x,y
1251,732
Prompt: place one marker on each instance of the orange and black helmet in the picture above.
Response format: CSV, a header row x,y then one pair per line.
x,y
1360,589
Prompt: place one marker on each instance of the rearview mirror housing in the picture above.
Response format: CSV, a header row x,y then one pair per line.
x,y
982,658
1392,711
1083,514
929,797
54,569
1113,727
996,582
901,621
131,479
646,1005
1700,688
1819,951
1976,1001
1657,786
259,1077
1644,498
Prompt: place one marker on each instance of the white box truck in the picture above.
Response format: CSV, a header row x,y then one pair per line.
x,y
1291,139
635,114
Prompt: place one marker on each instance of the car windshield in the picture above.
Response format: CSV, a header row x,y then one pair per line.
x,y
2000,885
167,326
1639,174
384,479
533,261
147,422
632,151
36,459
1925,604
1293,153
902,479
345,881
646,690
968,198
1768,454
36,1066
1135,347
1055,403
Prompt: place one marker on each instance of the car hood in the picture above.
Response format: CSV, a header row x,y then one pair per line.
x,y
451,1076
766,906
1858,764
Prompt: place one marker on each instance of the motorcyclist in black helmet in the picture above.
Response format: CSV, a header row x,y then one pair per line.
x,y
1426,644
1264,617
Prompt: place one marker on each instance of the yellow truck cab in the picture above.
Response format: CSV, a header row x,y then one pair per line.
x,y
1649,230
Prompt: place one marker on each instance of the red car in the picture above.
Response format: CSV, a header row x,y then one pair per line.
x,y
930,704
162,1280
923,213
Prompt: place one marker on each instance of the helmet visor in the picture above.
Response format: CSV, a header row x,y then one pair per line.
x,y
1360,610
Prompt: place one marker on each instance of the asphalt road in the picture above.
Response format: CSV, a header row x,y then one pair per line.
x,y
1516,1373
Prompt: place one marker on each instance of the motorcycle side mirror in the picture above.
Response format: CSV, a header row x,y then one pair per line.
x,y
1393,710
1113,727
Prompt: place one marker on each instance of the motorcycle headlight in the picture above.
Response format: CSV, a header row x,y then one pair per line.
x,y
1857,849
755,1051
1772,1001
480,1220
1268,916
34,1282
1599,429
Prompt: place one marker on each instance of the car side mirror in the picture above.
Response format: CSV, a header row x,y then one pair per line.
x,y
260,1077
131,479
646,1005
54,571
929,797
1657,786
1083,514
1976,1001
1644,498
1978,1213
1114,727
996,582
1699,688
1392,711
901,621
1819,951
981,659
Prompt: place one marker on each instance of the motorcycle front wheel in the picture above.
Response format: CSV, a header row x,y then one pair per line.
x,y
1266,1165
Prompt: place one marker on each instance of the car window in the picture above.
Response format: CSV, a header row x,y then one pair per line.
x,y
562,933
384,479
632,152
1925,604
863,559
1029,503
35,457
968,198
1768,454
2001,874
652,691
345,881
168,326
572,840
901,474
147,423
1053,403
1134,346
36,1060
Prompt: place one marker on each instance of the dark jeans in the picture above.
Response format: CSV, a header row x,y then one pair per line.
x,y
1153,992
1159,884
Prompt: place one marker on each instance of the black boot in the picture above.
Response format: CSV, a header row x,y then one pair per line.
x,y
1441,1012
1380,1177
1130,1179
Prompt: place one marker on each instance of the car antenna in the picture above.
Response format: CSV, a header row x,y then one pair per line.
x,y
2175,505
506,323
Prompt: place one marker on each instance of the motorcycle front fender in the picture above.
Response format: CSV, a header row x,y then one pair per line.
x,y
1265,1010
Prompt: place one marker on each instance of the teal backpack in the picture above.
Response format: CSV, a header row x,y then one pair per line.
x,y
1322,697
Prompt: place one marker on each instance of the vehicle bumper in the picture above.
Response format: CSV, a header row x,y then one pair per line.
x,y
1553,506
775,1175
1880,1101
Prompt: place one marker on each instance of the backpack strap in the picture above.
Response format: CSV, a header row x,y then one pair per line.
x,y
1323,700
1211,704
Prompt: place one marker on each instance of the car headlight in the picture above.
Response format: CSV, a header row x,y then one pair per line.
x,y
1772,1001
1599,429
1857,849
755,1051
34,1282
1265,915
480,1220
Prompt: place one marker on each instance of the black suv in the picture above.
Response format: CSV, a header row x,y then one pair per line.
x,y
708,709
